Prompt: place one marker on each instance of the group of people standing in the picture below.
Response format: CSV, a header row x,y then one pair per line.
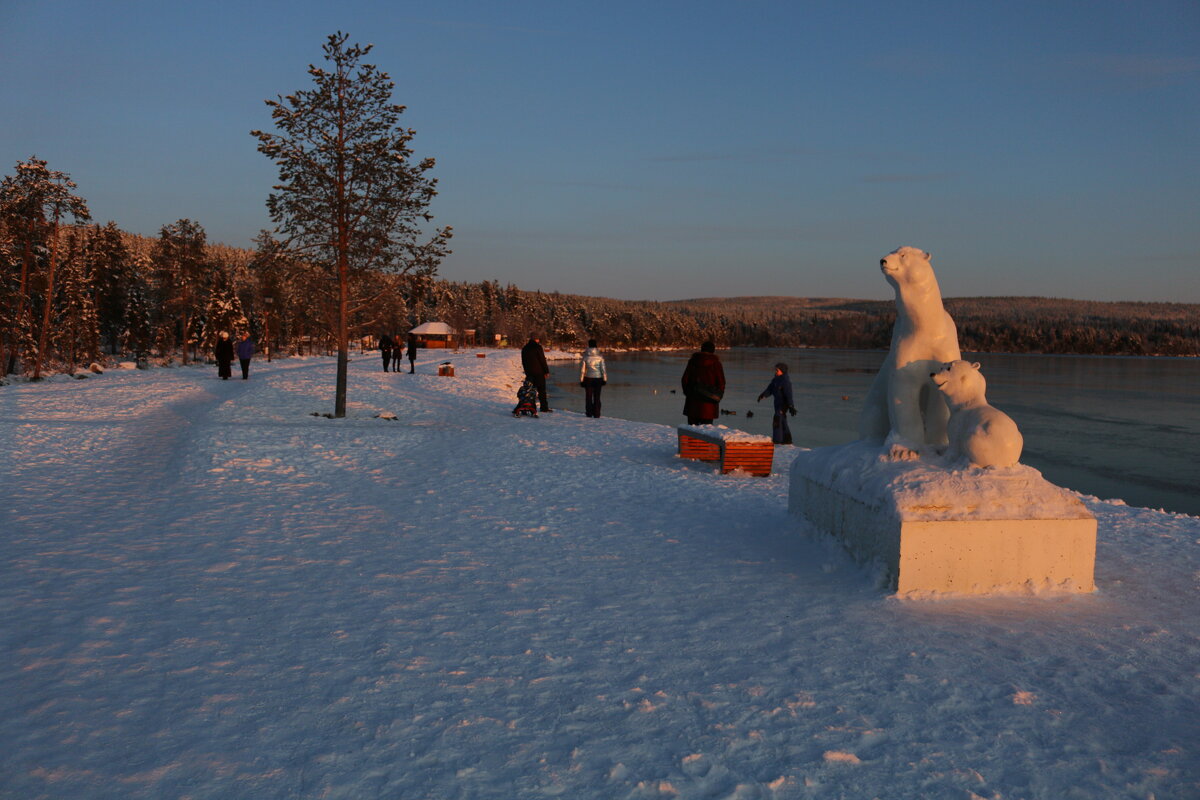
x,y
703,385
225,351
391,350
532,397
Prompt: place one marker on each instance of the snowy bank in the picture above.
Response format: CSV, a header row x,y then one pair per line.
x,y
208,592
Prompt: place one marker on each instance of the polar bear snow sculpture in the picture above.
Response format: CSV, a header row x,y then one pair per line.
x,y
984,435
902,408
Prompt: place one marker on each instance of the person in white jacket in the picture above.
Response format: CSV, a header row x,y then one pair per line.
x,y
591,377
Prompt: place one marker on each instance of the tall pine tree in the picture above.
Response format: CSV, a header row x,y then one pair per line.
x,y
183,272
350,196
112,273
35,203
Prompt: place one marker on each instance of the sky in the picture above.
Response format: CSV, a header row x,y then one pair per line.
x,y
668,150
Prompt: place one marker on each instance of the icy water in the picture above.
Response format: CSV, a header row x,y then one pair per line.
x,y
1125,428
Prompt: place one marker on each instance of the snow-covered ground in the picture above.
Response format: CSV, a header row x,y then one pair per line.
x,y
208,592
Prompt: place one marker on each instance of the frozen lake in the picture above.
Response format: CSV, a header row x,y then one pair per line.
x,y
1113,427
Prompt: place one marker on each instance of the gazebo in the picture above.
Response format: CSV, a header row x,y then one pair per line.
x,y
434,334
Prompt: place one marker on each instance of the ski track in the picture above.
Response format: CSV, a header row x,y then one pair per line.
x,y
208,592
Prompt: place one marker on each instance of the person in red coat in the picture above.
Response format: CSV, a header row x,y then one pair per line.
x,y
703,386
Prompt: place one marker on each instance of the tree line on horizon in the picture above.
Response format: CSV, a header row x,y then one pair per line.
x,y
80,293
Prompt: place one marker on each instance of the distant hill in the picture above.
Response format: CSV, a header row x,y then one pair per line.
x,y
985,324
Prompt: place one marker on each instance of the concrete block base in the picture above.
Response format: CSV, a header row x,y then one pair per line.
x,y
959,551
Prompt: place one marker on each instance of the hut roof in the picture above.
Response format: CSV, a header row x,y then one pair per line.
x,y
434,328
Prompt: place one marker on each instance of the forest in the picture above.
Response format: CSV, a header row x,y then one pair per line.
x,y
74,293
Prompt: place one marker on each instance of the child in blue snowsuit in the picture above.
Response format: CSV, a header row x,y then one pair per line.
x,y
780,388
527,400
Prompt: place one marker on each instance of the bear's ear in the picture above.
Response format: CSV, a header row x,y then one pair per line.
x,y
975,365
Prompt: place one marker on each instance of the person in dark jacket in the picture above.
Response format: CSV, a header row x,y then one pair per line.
x,y
386,345
533,361
703,386
780,388
224,353
245,351
412,355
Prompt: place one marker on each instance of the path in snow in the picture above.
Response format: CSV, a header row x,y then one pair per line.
x,y
208,592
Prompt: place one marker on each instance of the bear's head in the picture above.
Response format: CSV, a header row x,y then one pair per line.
x,y
960,382
906,266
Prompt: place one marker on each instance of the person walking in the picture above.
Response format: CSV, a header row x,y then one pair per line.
x,y
780,388
386,346
703,386
224,353
592,376
533,361
412,354
245,350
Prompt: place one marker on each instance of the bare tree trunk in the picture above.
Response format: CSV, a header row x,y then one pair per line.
x,y
343,345
343,258
43,334
187,321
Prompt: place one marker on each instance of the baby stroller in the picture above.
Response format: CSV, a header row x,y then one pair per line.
x,y
527,400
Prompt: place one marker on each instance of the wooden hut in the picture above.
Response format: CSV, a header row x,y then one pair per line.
x,y
434,334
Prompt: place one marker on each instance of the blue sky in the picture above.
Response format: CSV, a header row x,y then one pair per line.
x,y
663,150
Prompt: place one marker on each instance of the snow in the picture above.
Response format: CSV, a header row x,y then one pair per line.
x,y
432,328
208,592
925,490
727,434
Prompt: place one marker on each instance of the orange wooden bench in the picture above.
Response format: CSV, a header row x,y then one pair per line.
x,y
753,455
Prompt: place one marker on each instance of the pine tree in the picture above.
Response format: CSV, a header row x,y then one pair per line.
x,y
223,313
350,197
112,273
183,272
139,319
76,334
9,294
34,203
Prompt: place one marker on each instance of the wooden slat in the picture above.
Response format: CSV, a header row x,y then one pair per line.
x,y
753,457
692,447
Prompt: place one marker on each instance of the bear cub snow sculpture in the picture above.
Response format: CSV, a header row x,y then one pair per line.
x,y
902,409
978,432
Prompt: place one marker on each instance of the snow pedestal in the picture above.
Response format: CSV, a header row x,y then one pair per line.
x,y
964,530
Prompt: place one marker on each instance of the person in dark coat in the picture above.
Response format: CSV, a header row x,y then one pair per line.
x,y
533,361
780,388
386,345
703,386
245,351
224,353
412,354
